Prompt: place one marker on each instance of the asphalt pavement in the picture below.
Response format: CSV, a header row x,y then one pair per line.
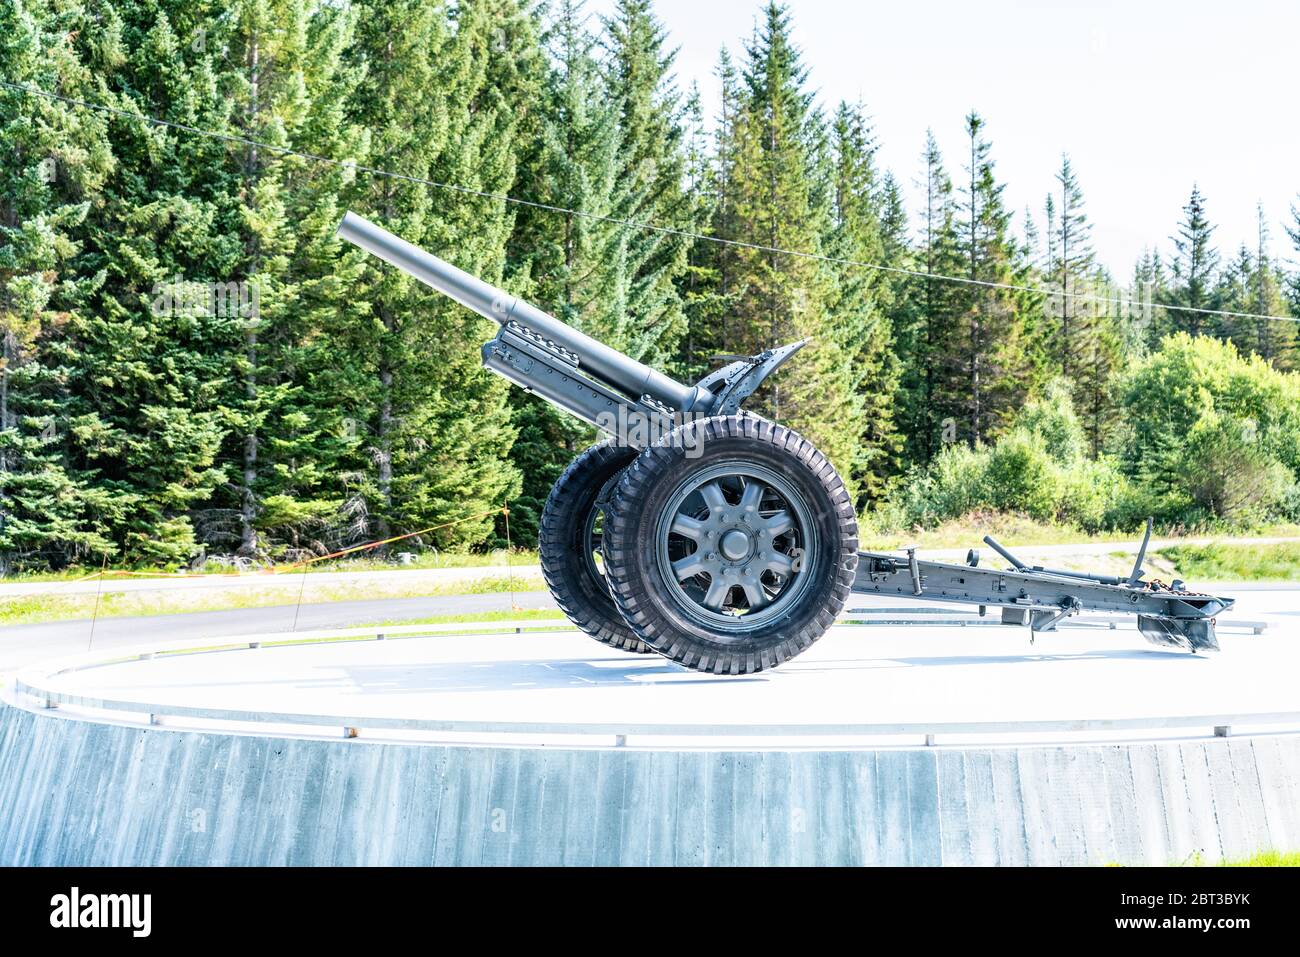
x,y
23,644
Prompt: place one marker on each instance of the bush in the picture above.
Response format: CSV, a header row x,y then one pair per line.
x,y
1225,470
1052,419
953,485
1093,493
1020,476
1165,395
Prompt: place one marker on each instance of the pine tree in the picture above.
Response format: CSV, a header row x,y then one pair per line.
x,y
930,337
859,299
438,100
1194,268
651,184
997,370
55,159
1071,261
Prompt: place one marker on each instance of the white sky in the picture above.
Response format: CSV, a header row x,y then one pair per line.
x,y
1147,97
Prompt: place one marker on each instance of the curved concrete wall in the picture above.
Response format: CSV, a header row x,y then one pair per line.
x,y
81,792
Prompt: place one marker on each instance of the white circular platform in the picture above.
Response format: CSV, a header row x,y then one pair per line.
x,y
883,744
859,682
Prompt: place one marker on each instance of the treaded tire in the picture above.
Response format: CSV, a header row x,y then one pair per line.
x,y
579,591
643,495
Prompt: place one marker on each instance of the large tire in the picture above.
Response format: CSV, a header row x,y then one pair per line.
x,y
565,545
737,556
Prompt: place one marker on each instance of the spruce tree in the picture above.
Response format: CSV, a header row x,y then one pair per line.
x,y
1151,289
288,82
778,200
1274,339
1099,339
1293,283
651,185
930,339
997,368
703,303
148,358
714,264
1071,260
1194,270
576,265
56,159
860,297
437,99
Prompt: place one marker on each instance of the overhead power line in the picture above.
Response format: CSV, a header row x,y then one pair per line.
x,y
635,224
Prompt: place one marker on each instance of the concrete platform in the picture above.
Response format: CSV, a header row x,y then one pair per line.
x,y
917,744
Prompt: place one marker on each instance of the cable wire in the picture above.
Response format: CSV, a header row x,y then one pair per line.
x,y
636,224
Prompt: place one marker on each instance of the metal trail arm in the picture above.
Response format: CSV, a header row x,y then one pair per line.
x,y
1041,598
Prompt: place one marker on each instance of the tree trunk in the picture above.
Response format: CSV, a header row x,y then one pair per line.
x,y
384,438
248,544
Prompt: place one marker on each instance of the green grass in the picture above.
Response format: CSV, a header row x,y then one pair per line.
x,y
1020,530
1258,859
1266,859
29,609
969,531
353,563
1218,562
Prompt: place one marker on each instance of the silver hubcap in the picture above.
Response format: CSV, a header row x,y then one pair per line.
x,y
734,546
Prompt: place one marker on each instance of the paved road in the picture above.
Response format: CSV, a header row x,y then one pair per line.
x,y
1276,603
23,644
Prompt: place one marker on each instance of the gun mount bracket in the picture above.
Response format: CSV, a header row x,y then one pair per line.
x,y
738,380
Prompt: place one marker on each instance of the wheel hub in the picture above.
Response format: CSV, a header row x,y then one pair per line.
x,y
735,545
731,544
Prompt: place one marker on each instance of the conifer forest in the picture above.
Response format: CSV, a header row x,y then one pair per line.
x,y
195,365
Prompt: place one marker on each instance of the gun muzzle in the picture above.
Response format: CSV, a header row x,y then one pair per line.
x,y
598,360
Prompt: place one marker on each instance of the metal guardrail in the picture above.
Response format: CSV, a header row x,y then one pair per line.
x,y
33,684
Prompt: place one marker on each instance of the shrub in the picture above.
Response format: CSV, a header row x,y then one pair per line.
x,y
1165,395
1225,469
1053,420
953,485
1020,476
1091,493
1017,474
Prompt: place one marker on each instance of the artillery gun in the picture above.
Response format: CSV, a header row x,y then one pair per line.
x,y
718,538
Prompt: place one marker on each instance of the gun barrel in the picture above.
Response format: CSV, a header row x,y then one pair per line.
x,y
597,359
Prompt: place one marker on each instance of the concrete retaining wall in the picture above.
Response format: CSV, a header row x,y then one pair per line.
x,y
80,792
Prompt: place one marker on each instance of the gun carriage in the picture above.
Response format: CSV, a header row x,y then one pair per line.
x,y
718,538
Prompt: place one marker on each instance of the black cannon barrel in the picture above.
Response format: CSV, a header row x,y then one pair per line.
x,y
595,358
